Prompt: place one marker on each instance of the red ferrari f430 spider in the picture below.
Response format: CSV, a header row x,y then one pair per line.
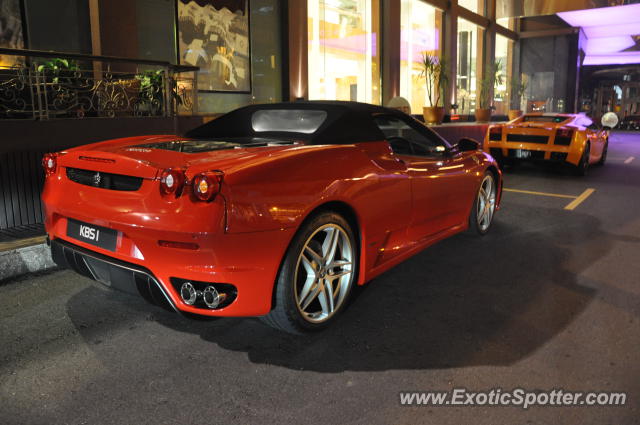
x,y
274,210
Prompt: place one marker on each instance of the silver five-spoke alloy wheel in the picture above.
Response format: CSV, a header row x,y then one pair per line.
x,y
324,273
486,205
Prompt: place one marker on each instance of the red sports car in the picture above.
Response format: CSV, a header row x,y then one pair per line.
x,y
271,210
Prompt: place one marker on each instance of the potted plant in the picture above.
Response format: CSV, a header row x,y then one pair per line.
x,y
434,70
59,71
151,92
518,87
491,78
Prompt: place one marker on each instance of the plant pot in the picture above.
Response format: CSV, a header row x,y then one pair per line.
x,y
433,114
514,113
483,115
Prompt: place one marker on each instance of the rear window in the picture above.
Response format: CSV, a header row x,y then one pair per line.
x,y
305,121
544,118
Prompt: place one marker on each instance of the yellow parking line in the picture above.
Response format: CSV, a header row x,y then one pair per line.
x,y
628,160
530,192
580,199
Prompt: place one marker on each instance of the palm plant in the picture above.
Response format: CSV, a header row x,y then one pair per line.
x,y
435,72
492,77
518,87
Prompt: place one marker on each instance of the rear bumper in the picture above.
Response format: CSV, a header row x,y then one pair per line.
x,y
120,275
247,261
533,151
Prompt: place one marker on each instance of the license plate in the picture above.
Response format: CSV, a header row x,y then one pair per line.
x,y
523,154
99,236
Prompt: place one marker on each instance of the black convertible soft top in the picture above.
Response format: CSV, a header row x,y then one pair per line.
x,y
346,123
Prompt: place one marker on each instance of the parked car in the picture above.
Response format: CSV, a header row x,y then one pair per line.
x,y
630,122
271,210
562,138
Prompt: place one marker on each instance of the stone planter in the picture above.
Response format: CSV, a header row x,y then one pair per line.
x,y
514,113
483,115
433,114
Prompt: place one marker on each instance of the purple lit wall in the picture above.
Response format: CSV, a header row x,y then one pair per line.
x,y
422,41
613,33
353,43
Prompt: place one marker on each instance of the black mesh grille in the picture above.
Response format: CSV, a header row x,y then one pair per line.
x,y
495,152
528,138
562,140
115,273
558,156
495,136
104,180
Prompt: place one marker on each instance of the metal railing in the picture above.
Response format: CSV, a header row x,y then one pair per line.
x,y
50,85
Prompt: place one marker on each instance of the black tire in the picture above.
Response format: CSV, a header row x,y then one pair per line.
x,y
504,163
603,157
583,166
474,224
285,314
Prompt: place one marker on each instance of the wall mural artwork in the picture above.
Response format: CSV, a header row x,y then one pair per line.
x,y
214,35
10,30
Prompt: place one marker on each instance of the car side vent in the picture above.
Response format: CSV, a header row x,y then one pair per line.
x,y
104,180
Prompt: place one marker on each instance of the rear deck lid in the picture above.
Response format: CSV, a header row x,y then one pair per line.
x,y
146,158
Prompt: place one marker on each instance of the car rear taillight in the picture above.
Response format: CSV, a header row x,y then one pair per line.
x,y
564,132
207,185
495,133
563,136
172,181
49,163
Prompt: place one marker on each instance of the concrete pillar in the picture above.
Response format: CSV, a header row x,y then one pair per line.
x,y
298,50
390,50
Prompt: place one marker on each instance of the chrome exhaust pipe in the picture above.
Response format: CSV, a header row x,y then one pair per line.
x,y
188,293
212,298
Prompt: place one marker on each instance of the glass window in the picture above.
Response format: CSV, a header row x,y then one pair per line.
x,y
10,31
476,6
288,120
406,139
507,22
155,21
420,25
344,60
61,26
504,52
266,67
505,9
468,41
545,118
546,77
266,62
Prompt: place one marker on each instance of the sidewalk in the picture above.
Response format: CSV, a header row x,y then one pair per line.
x,y
24,256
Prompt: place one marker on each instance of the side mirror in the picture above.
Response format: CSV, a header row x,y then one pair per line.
x,y
467,144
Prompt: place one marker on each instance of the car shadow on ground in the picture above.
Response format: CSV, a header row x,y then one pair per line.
x,y
613,172
466,301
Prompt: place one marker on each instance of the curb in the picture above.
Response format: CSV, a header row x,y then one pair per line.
x,y
28,259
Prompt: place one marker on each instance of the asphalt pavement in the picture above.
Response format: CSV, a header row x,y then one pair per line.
x,y
550,299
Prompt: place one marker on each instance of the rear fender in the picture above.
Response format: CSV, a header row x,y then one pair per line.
x,y
577,147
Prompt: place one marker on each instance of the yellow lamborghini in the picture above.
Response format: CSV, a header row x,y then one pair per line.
x,y
563,138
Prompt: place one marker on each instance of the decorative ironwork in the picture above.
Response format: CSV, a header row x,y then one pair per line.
x,y
16,97
61,88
